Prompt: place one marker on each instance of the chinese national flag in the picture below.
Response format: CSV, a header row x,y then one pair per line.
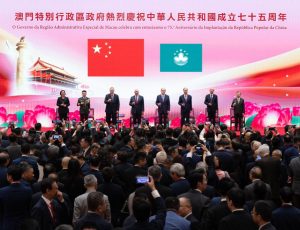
x,y
116,57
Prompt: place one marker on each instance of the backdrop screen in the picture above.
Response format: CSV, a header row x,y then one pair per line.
x,y
250,46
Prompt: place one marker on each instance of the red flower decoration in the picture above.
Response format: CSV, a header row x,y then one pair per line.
x,y
201,118
225,120
41,114
296,111
12,118
74,115
251,108
175,123
272,115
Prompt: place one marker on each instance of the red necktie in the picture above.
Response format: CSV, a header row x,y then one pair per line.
x,y
52,212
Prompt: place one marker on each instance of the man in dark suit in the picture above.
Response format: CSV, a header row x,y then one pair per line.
x,y
25,149
84,106
14,200
198,182
112,106
238,218
140,161
185,210
238,105
271,169
287,217
163,104
185,102
211,101
215,213
255,175
142,209
4,161
137,107
94,218
164,191
14,149
48,211
261,215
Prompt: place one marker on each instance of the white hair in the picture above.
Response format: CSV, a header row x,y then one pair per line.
x,y
263,150
178,169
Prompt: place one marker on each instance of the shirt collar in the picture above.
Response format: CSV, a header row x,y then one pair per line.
x,y
190,213
238,210
48,202
261,226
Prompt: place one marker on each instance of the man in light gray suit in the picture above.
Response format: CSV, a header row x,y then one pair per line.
x,y
80,202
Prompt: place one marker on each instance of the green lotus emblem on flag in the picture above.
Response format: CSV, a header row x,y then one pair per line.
x,y
180,57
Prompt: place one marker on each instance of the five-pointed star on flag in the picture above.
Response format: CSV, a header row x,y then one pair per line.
x,y
97,49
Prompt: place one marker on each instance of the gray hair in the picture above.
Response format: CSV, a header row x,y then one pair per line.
x,y
178,169
263,150
155,172
90,180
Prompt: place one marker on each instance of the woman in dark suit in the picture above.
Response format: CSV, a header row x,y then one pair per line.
x,y
63,103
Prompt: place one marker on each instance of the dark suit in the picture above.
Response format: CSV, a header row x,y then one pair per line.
x,y
116,197
158,223
130,177
237,220
3,177
137,108
112,106
164,192
63,111
271,170
14,151
14,205
84,108
41,213
163,103
95,219
249,191
238,106
179,187
195,224
268,226
287,217
30,161
213,216
199,202
211,109
186,107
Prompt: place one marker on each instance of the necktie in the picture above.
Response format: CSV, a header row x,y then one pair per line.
x,y
211,97
163,97
136,99
112,97
52,212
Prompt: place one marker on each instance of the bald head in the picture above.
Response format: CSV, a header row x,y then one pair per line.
x,y
255,173
65,162
185,206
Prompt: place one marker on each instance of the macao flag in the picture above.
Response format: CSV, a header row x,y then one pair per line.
x,y
116,57
180,57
